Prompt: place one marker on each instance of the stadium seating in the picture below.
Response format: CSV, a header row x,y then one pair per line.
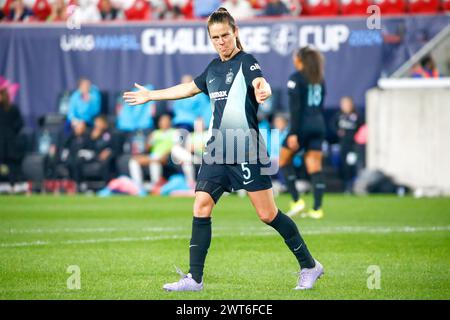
x,y
321,7
354,7
446,5
140,10
423,6
391,6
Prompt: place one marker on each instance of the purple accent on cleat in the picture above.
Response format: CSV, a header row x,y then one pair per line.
x,y
186,283
308,277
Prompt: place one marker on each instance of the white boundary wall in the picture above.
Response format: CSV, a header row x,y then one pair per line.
x,y
409,136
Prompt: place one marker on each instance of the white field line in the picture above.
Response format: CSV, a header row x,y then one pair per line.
x,y
242,232
320,230
88,230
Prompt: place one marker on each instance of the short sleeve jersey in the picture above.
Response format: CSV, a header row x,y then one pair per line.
x,y
229,87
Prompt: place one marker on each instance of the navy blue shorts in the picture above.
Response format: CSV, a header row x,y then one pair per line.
x,y
216,179
309,140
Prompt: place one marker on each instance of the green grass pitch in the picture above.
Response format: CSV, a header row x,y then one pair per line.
x,y
126,248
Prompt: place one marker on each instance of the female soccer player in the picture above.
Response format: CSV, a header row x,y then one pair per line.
x,y
306,89
235,85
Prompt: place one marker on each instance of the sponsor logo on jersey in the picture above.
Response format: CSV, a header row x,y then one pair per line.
x,y
255,67
218,95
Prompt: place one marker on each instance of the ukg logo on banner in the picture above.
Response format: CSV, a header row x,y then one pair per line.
x,y
284,38
90,42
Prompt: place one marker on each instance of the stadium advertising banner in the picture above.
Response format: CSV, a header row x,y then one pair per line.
x,y
47,59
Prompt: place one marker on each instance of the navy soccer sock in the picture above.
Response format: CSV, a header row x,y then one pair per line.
x,y
318,183
199,245
287,228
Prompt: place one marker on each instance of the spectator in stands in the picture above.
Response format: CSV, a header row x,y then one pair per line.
x,y
18,11
84,103
346,123
100,145
86,11
137,10
75,151
258,4
160,144
239,9
41,9
187,110
202,8
276,8
425,69
107,10
181,8
132,118
59,11
172,9
11,123
159,9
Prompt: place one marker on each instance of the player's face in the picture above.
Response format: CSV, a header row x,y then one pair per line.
x,y
223,38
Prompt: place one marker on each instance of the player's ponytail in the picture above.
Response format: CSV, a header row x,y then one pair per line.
x,y
312,61
222,15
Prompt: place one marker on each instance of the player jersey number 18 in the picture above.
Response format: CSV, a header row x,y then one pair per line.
x,y
314,95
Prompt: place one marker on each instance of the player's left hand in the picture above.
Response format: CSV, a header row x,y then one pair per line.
x,y
262,91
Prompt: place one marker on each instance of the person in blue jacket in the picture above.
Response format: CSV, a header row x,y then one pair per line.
x,y
187,110
84,103
132,118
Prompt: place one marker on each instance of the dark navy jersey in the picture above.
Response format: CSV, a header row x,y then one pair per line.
x,y
305,102
234,107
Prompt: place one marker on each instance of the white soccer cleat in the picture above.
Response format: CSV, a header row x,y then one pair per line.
x,y
186,283
308,277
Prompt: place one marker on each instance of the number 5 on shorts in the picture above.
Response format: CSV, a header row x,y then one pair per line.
x,y
246,171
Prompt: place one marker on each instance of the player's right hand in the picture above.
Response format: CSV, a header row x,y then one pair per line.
x,y
137,97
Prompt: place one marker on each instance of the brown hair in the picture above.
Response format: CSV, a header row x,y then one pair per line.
x,y
222,15
5,103
312,64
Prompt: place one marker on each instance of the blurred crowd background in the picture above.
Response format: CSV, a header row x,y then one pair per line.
x,y
108,10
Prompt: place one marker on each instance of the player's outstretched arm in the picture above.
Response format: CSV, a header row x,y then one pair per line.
x,y
262,89
143,95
